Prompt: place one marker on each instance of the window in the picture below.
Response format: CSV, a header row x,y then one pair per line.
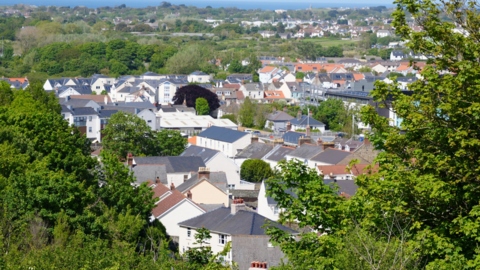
x,y
276,210
90,119
98,87
149,121
227,93
189,232
231,186
80,121
89,129
219,93
222,239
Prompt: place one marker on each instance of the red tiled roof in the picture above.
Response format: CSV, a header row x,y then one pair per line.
x,y
358,76
21,80
193,140
232,85
169,201
267,69
274,94
240,95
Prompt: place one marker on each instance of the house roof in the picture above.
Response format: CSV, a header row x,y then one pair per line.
x,y
222,134
255,150
306,151
84,111
242,223
192,140
205,153
169,201
346,186
398,53
274,94
173,164
357,169
303,121
292,137
145,172
278,153
210,207
96,98
217,179
199,73
358,76
331,156
267,69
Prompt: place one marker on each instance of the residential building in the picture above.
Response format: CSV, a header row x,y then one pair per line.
x,y
304,153
267,34
383,33
302,121
244,229
239,78
205,187
255,150
277,120
173,207
179,169
190,124
267,73
16,83
330,156
397,56
225,140
217,162
199,77
277,154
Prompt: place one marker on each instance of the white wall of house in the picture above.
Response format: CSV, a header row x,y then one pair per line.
x,y
149,117
182,211
229,149
178,178
68,92
186,242
220,163
198,78
264,208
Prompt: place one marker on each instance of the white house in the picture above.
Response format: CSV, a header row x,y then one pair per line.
x,y
267,34
266,73
244,229
179,169
397,55
383,33
218,162
227,141
173,207
199,77
267,206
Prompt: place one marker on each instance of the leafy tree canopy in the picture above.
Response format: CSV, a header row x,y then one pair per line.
x,y
201,105
255,170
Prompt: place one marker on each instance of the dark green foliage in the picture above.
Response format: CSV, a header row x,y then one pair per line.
x,y
255,170
247,113
128,133
192,93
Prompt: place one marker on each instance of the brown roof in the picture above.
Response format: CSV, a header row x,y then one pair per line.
x,y
96,98
240,95
97,152
167,203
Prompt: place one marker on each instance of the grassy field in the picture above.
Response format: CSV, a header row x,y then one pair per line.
x,y
331,42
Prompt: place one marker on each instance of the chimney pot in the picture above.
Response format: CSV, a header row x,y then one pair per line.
x,y
299,115
172,186
158,180
308,131
237,206
203,172
189,194
130,159
254,138
289,126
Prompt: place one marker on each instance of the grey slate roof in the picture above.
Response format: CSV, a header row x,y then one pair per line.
x,y
331,156
169,110
292,137
205,153
84,111
222,134
242,223
145,172
279,116
107,113
218,179
210,207
278,153
174,164
255,150
306,151
347,186
303,121
198,73
77,102
398,53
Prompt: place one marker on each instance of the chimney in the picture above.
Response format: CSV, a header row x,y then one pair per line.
x,y
285,109
189,194
130,159
308,131
299,115
254,138
172,186
303,140
327,145
237,206
158,180
366,141
105,100
310,114
289,126
319,141
67,98
243,82
278,141
203,172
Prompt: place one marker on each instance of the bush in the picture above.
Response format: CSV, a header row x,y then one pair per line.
x,y
255,170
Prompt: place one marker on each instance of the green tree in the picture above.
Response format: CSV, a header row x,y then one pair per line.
x,y
329,113
128,133
201,105
307,50
235,66
255,170
247,112
299,75
231,117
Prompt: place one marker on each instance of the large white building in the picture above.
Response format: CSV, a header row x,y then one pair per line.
x,y
225,140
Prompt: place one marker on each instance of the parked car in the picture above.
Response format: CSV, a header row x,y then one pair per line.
x,y
256,132
247,130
